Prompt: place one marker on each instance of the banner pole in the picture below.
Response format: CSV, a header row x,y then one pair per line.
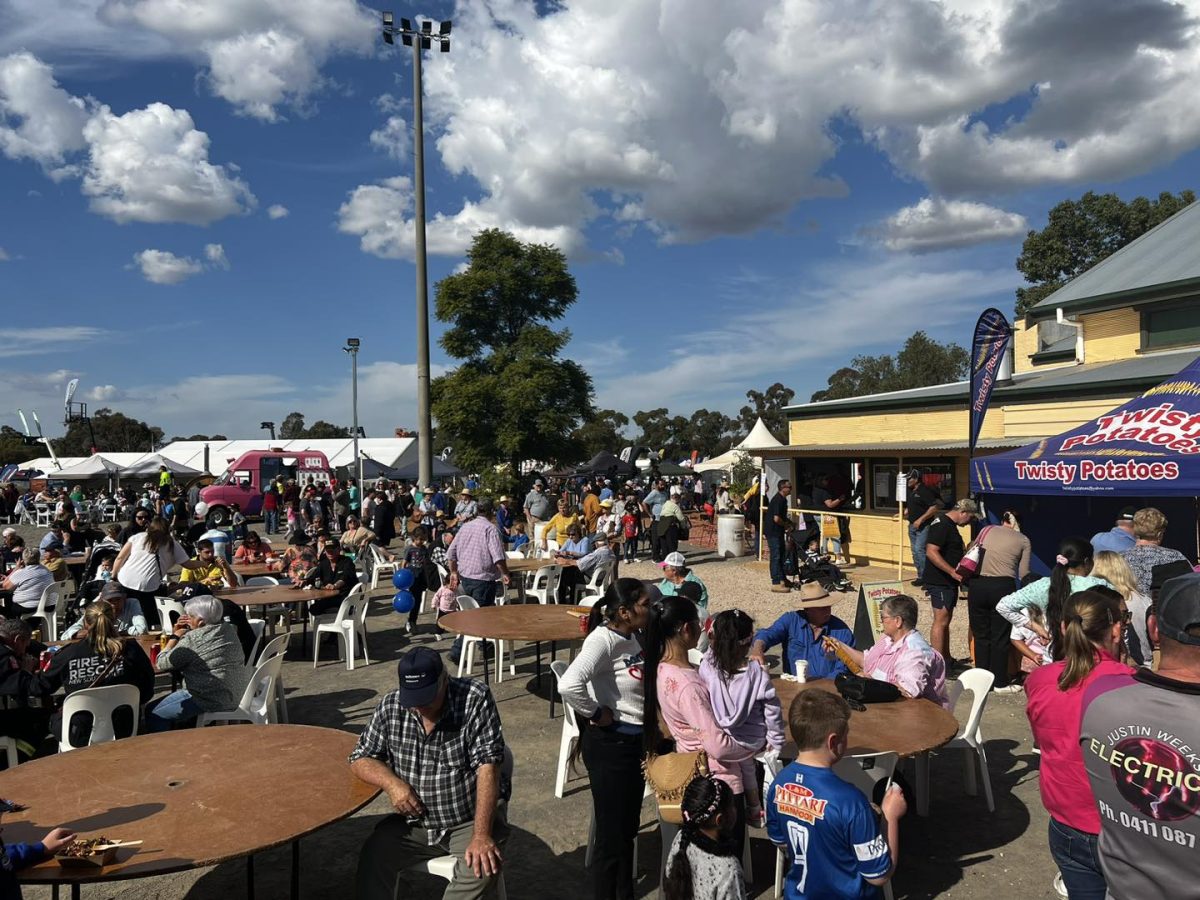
x,y
762,500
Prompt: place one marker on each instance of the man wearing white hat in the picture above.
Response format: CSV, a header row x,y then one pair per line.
x,y
802,632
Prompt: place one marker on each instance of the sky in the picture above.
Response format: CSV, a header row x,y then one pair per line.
x,y
200,200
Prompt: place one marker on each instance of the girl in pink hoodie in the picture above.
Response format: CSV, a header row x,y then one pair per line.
x,y
743,699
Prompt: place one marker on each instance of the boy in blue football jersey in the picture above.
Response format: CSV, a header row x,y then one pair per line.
x,y
827,826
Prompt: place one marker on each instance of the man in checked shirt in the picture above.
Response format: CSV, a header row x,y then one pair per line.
x,y
434,746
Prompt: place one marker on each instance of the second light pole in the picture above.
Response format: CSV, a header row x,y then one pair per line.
x,y
420,39
352,348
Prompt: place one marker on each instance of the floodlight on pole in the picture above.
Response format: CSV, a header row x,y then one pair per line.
x,y
425,37
268,426
352,345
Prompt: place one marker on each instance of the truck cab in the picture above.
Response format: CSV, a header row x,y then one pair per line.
x,y
246,476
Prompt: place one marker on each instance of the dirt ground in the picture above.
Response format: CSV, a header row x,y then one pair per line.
x,y
960,851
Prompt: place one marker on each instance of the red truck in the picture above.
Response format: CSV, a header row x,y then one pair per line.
x,y
243,481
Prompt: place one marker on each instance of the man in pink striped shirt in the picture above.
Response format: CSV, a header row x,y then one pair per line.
x,y
902,656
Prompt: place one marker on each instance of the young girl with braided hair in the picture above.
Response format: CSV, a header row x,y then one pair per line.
x,y
704,863
743,699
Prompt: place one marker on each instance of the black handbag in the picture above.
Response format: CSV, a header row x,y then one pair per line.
x,y
858,689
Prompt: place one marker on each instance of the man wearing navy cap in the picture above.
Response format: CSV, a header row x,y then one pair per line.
x,y
435,747
1140,733
1120,537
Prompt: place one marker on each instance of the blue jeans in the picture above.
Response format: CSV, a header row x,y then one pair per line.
x,y
918,540
483,593
173,708
775,548
1078,860
271,517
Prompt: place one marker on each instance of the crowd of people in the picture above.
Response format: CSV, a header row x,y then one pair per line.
x,y
659,673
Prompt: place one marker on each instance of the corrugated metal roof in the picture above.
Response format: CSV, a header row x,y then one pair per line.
x,y
1162,256
1147,367
892,447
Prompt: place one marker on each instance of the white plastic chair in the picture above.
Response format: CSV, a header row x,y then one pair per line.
x,y
101,702
513,554
570,735
856,771
443,866
47,611
8,746
466,656
44,514
380,566
349,623
970,740
167,606
695,656
545,583
280,612
257,705
597,583
277,646
258,626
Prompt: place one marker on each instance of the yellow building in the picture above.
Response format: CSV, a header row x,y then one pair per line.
x,y
1110,334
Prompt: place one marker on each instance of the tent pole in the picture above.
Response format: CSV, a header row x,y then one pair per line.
x,y
900,534
762,499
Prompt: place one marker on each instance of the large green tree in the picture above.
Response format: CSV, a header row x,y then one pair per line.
x,y
768,405
712,433
13,448
662,432
921,362
511,398
602,431
115,432
1080,233
292,427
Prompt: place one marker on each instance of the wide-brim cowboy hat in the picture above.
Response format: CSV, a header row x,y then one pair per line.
x,y
812,595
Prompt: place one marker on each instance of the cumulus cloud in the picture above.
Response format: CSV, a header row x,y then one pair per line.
x,y
151,165
38,119
164,267
260,55
393,138
935,223
104,393
4,257
277,211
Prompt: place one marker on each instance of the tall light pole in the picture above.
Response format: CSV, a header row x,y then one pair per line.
x,y
420,39
352,348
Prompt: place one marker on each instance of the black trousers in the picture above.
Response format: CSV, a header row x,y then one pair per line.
x,y
993,633
614,765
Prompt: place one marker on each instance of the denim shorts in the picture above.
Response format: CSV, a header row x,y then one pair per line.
x,y
942,597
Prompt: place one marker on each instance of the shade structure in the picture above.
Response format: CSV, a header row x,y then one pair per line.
x,y
95,467
441,469
152,463
1149,447
605,463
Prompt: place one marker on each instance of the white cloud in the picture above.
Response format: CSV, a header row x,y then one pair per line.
x,y
151,165
215,254
393,138
4,257
934,223
164,267
260,55
704,367
277,211
104,393
38,119
34,341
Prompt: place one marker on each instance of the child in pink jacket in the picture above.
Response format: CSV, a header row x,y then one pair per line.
x,y
743,699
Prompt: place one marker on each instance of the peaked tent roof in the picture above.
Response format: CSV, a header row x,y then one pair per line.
x,y
150,464
603,463
759,437
1149,447
95,466
1163,256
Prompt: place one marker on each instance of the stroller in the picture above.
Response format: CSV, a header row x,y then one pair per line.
x,y
805,564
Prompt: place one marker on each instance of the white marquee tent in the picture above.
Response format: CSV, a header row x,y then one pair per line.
x,y
759,438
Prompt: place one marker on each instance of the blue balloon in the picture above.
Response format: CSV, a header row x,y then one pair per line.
x,y
403,579
403,602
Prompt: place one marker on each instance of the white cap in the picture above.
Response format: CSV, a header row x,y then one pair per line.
x,y
676,490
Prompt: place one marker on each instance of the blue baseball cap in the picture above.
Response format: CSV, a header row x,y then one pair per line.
x,y
419,670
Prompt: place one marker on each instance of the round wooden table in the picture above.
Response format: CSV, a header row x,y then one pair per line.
x,y
271,594
905,727
526,564
153,788
520,622
250,570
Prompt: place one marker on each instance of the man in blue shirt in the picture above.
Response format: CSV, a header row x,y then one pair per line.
x,y
827,827
606,492
802,632
1120,537
653,501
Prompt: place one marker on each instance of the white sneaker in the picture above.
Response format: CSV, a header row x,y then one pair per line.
x,y
1008,689
1059,887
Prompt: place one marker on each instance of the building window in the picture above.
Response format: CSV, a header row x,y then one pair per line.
x,y
938,476
1171,326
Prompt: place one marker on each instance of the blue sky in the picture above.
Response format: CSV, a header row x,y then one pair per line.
x,y
199,208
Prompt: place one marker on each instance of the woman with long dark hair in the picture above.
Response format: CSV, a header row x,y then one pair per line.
x,y
604,687
1005,563
703,864
1071,573
143,563
675,689
1090,636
